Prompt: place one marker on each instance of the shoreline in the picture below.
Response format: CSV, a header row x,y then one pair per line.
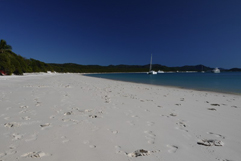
x,y
74,117
169,86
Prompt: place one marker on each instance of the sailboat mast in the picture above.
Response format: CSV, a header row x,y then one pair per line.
x,y
151,62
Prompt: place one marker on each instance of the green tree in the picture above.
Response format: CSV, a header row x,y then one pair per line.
x,y
4,46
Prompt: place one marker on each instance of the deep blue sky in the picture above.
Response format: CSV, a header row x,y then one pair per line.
x,y
104,32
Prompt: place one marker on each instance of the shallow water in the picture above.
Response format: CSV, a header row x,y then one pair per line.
x,y
226,82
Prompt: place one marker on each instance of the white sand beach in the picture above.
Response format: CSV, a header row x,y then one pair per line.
x,y
60,117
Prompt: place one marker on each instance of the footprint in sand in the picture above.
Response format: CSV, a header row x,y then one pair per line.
x,y
173,115
23,111
92,146
118,149
212,109
210,142
107,99
87,142
182,126
224,159
59,111
141,152
10,151
65,140
149,123
32,137
217,135
215,104
11,124
38,104
167,116
44,126
150,137
131,123
66,120
93,116
24,107
26,118
38,154
68,113
172,148
16,136
88,110
52,117
113,131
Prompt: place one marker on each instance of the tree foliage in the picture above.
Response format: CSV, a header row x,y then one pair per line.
x,y
12,63
4,46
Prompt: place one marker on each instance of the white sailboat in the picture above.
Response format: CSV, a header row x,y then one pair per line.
x,y
160,71
151,71
216,70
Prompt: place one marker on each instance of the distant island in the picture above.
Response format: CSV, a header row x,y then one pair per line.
x,y
11,63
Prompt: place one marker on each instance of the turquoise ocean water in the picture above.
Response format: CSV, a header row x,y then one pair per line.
x,y
226,82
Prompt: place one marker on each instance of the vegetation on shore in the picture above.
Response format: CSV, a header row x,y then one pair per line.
x,y
11,63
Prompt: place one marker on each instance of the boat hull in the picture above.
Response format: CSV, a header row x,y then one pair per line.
x,y
152,72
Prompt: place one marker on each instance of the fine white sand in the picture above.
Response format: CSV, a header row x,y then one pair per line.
x,y
60,117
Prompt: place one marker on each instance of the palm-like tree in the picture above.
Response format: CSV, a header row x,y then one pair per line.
x,y
4,46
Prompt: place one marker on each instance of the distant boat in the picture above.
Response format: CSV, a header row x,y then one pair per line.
x,y
151,71
202,69
2,72
216,70
160,71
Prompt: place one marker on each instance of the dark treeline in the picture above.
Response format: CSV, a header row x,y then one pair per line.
x,y
75,68
11,63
